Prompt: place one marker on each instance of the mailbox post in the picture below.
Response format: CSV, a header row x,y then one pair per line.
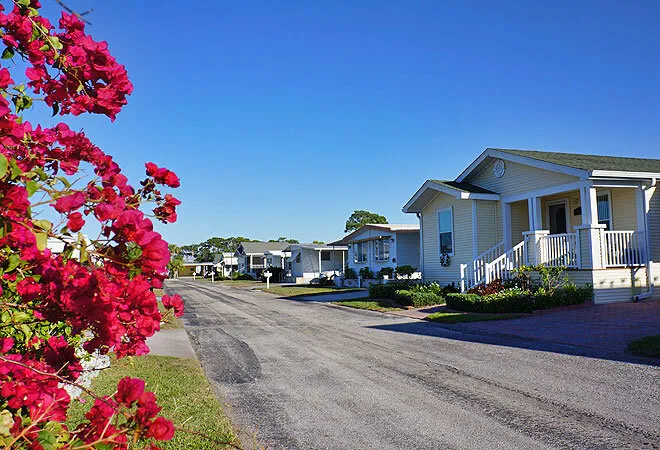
x,y
268,274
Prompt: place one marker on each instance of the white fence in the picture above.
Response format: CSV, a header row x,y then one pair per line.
x,y
623,248
556,250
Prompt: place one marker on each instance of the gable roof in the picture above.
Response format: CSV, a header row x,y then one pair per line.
x,y
460,190
261,247
590,162
576,164
385,227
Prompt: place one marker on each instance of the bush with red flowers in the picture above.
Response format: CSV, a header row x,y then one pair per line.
x,y
94,295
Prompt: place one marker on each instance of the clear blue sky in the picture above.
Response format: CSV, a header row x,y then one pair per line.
x,y
281,118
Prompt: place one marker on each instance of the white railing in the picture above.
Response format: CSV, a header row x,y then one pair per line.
x,y
491,265
479,264
556,250
623,248
501,267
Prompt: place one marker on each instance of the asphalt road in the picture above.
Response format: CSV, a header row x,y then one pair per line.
x,y
309,375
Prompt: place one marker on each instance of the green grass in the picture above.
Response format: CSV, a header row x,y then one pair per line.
x,y
646,346
159,292
241,283
457,317
183,392
371,305
172,322
303,290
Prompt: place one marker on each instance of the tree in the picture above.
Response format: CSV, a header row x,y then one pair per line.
x,y
89,298
360,218
318,242
285,239
176,260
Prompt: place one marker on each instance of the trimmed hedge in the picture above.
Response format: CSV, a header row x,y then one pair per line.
x,y
519,301
417,298
387,291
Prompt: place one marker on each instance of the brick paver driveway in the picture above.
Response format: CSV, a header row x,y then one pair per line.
x,y
604,327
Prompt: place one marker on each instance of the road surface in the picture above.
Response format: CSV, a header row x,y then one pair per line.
x,y
308,375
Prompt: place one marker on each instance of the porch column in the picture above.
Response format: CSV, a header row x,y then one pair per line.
x,y
506,225
535,216
534,253
589,206
343,261
590,237
320,271
251,263
640,206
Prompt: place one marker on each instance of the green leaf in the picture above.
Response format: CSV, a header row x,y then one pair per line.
x,y
14,260
44,47
24,3
42,240
32,187
3,165
8,53
15,170
43,224
47,439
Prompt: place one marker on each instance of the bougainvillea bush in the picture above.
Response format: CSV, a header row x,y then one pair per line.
x,y
97,294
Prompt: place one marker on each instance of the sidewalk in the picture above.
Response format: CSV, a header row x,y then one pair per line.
x,y
171,343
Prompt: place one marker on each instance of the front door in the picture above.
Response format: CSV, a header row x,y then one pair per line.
x,y
557,216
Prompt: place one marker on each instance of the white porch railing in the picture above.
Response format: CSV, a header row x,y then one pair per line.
x,y
491,265
501,267
558,250
623,248
479,263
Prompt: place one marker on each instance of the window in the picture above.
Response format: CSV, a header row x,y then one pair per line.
x,y
325,256
446,231
604,210
382,250
360,252
298,258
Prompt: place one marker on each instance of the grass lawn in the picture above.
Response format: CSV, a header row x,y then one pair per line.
x,y
241,283
302,290
458,317
371,305
646,346
159,292
182,391
173,322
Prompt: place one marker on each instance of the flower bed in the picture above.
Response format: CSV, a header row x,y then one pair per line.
x,y
409,293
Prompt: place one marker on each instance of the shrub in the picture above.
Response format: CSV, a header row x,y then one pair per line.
x,y
512,300
387,291
405,270
323,282
485,289
367,273
549,278
242,276
517,300
417,298
349,273
563,296
385,271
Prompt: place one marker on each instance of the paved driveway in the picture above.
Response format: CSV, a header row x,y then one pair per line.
x,y
603,327
312,375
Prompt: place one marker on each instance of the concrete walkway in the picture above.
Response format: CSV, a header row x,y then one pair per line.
x,y
171,343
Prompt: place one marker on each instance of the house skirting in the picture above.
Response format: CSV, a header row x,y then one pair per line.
x,y
615,285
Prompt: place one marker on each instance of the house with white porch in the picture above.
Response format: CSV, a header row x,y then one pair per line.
x,y
598,216
252,258
226,264
304,262
383,245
